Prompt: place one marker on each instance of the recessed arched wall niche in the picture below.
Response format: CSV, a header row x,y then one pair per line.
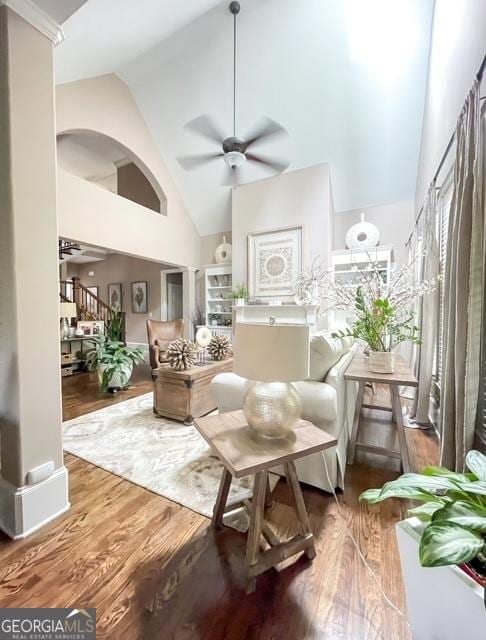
x,y
102,160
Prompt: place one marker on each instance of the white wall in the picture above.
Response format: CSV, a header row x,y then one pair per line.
x,y
298,197
92,215
457,49
393,220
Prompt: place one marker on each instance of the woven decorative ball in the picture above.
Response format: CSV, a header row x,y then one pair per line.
x,y
181,354
220,347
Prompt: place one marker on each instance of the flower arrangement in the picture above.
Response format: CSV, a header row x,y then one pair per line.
x,y
383,311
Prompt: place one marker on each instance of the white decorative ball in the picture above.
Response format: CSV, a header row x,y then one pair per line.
x,y
203,337
363,235
223,252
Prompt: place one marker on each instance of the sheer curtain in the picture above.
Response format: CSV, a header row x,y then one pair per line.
x,y
463,288
427,309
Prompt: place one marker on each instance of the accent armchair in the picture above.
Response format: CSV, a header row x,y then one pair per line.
x,y
160,333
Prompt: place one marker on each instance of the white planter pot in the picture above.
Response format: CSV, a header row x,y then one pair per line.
x,y
239,302
118,380
382,361
443,602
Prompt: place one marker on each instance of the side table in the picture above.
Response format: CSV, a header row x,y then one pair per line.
x,y
244,453
358,370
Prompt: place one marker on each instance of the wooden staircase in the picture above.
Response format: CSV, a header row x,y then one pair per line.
x,y
88,305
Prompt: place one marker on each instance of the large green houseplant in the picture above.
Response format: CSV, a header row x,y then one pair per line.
x,y
453,511
113,361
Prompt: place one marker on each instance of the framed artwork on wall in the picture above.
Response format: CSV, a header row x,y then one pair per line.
x,y
115,296
139,297
274,261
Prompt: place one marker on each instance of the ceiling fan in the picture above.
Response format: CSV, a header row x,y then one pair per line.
x,y
235,151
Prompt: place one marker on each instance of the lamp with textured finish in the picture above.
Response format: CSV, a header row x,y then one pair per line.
x,y
273,356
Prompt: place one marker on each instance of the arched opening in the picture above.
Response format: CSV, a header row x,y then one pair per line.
x,y
107,163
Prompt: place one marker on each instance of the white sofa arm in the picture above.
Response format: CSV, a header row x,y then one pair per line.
x,y
346,390
228,391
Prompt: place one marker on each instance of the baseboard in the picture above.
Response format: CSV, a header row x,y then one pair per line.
x,y
26,509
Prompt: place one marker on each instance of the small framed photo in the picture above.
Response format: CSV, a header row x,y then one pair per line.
x,y
139,297
87,326
115,296
98,327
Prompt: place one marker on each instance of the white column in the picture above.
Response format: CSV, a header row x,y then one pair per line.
x,y
33,483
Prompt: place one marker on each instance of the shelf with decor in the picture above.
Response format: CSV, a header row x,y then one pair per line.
x,y
218,283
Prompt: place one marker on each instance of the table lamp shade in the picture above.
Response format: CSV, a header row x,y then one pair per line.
x,y
271,353
67,310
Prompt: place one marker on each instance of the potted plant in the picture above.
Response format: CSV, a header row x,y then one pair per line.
x,y
448,530
113,361
382,328
240,295
116,326
214,319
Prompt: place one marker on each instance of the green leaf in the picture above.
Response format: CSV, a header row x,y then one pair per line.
x,y
467,514
428,483
447,473
445,543
411,493
425,511
478,487
476,462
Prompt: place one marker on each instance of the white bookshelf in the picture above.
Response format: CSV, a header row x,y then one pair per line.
x,y
218,284
346,266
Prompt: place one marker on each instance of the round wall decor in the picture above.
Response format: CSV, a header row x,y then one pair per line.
x,y
363,235
223,252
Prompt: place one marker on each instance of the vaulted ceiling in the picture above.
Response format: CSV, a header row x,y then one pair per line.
x,y
346,78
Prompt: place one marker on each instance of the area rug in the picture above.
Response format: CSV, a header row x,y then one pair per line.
x,y
162,455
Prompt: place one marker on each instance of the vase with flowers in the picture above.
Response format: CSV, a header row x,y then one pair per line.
x,y
383,311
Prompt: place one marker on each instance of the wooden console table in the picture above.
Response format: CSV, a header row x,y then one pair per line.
x,y
243,453
358,370
184,395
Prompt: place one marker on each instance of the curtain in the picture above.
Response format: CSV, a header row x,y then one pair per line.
x,y
427,310
463,292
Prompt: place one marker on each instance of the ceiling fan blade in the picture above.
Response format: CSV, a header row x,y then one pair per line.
x,y
230,178
277,165
267,128
205,127
194,162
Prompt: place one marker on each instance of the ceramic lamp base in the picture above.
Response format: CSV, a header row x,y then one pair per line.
x,y
272,409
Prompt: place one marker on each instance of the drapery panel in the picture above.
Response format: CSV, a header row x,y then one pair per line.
x,y
463,289
427,310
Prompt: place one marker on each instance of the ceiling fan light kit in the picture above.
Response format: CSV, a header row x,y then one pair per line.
x,y
234,159
232,149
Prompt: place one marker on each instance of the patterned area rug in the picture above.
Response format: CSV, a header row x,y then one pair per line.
x,y
162,455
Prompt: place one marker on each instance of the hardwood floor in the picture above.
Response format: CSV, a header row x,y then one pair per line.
x,y
81,394
154,570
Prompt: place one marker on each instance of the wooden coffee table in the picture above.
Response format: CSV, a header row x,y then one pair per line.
x,y
185,395
358,370
242,453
